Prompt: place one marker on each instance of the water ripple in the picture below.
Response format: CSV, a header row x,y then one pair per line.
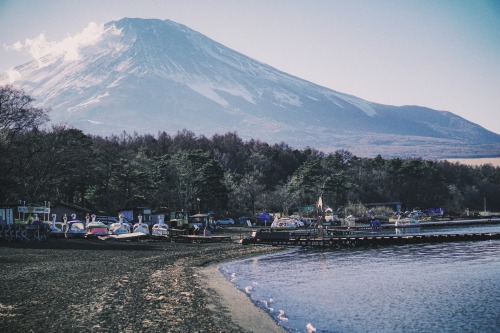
x,y
449,287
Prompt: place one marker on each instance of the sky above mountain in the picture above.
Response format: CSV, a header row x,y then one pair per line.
x,y
439,54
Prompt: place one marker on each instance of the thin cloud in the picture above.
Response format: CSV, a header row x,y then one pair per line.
x,y
13,75
69,47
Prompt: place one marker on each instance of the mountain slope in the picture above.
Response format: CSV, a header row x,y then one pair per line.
x,y
152,75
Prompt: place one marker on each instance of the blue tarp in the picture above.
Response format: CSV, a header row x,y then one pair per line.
x,y
265,217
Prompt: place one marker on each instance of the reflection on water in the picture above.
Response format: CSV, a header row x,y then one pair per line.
x,y
448,287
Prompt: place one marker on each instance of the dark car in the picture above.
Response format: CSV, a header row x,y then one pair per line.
x,y
108,220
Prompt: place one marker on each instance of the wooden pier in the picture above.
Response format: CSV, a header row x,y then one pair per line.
x,y
462,222
201,239
191,238
290,239
177,238
133,236
23,232
449,223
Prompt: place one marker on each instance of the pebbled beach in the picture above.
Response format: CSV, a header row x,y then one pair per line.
x,y
93,285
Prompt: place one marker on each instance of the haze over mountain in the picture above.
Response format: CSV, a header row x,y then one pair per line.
x,y
148,75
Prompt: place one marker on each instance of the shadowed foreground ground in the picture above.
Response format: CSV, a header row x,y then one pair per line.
x,y
109,286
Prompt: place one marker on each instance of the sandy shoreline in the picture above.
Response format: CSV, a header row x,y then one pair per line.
x,y
109,286
239,306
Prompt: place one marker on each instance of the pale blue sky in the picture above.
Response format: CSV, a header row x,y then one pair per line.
x,y
440,54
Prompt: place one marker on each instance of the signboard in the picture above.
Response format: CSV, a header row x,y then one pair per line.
x,y
306,209
41,210
36,210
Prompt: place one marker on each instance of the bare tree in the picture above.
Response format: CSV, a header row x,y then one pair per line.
x,y
17,115
17,112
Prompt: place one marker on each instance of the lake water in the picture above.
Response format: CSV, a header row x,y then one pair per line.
x,y
446,287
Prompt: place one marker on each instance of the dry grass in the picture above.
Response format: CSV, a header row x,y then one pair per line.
x,y
495,161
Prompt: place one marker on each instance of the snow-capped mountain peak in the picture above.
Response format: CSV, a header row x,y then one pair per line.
x,y
149,75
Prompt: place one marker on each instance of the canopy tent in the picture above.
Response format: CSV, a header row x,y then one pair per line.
x,y
265,217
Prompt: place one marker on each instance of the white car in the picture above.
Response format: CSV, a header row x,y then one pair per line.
x,y
417,214
226,221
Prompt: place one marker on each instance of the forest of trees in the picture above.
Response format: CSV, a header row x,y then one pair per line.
x,y
223,174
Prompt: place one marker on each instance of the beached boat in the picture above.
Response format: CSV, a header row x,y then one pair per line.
x,y
349,221
406,222
283,223
160,228
119,228
96,228
76,228
141,227
330,218
58,229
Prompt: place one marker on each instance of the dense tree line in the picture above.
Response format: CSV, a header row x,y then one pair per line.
x,y
223,173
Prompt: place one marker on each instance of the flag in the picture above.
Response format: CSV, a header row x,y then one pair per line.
x,y
320,203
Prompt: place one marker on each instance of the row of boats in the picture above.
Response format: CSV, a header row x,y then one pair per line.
x,y
75,228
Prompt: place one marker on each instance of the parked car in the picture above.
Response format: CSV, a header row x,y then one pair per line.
x,y
107,219
417,214
226,221
112,219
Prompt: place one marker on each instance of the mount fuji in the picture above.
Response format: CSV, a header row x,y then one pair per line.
x,y
149,75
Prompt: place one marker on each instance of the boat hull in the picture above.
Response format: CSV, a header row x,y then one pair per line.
x,y
76,230
97,231
77,234
141,228
407,223
119,229
160,232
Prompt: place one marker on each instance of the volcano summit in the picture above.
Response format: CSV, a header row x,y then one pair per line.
x,y
149,75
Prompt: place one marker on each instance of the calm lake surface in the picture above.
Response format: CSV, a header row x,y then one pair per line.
x,y
446,287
